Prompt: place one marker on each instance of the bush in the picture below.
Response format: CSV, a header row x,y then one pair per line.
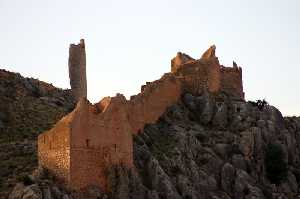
x,y
276,167
260,104
25,179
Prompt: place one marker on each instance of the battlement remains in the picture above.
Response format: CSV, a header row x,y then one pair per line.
x,y
80,148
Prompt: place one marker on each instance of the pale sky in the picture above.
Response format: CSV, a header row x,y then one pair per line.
x,y
131,42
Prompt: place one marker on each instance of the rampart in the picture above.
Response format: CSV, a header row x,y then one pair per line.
x,y
92,138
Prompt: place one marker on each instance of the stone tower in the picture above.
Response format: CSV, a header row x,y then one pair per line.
x,y
77,70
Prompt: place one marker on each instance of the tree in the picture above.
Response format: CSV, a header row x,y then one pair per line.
x,y
276,167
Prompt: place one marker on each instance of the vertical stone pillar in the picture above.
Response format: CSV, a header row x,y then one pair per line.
x,y
77,70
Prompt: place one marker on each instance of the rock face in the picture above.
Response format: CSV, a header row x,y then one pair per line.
x,y
94,138
180,156
28,107
77,70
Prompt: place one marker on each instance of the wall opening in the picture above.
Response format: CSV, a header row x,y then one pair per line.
x,y
87,142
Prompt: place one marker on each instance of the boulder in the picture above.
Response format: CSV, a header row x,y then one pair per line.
x,y
220,118
189,101
227,178
242,181
239,162
30,192
205,108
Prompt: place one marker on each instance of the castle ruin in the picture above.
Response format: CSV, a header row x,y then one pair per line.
x,y
94,137
77,70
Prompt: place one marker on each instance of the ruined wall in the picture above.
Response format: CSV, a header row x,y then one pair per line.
x,y
180,59
206,74
77,70
152,102
93,138
101,134
54,149
99,140
200,75
231,82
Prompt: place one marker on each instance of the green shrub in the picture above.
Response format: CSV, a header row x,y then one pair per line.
x,y
25,179
276,167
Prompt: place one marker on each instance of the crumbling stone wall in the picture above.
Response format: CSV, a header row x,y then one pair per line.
x,y
54,149
93,138
100,135
99,141
198,76
231,81
206,74
152,102
180,59
77,70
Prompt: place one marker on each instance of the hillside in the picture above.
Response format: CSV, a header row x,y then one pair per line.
x,y
202,147
28,107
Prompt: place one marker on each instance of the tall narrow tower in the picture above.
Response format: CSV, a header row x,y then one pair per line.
x,y
77,70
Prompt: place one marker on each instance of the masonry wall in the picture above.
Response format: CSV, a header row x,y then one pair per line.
x,y
152,102
231,82
93,138
54,149
200,75
101,134
77,70
99,140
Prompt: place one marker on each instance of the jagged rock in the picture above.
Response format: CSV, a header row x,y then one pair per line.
x,y
261,123
46,193
152,195
205,108
222,150
65,197
29,192
17,192
184,187
160,180
201,147
227,178
239,162
3,116
254,193
242,181
220,118
189,101
56,192
292,182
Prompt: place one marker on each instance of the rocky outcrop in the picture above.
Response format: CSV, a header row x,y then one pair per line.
x,y
181,156
97,137
28,107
